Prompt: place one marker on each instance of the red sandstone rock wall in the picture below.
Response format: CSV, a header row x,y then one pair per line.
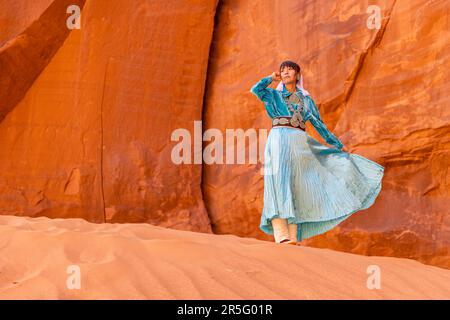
x,y
24,56
16,16
89,136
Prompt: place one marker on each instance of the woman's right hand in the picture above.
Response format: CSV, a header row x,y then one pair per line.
x,y
276,76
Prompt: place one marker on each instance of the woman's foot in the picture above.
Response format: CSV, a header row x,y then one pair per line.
x,y
289,241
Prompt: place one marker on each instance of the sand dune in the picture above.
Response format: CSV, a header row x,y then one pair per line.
x,y
142,261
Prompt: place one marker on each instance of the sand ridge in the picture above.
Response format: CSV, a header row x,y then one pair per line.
x,y
142,261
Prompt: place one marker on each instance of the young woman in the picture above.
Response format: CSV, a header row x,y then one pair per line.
x,y
309,188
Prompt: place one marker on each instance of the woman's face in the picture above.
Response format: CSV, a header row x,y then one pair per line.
x,y
288,75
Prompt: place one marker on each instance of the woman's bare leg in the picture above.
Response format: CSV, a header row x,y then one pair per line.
x,y
280,229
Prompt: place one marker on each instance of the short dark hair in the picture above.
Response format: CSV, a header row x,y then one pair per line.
x,y
291,64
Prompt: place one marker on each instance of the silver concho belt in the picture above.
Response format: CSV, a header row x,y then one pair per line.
x,y
288,122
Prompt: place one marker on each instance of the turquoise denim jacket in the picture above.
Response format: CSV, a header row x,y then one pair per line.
x,y
276,107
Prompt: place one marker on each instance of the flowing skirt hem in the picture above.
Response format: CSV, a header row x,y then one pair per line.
x,y
310,228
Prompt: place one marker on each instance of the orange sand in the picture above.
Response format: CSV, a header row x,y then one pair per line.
x,y
142,261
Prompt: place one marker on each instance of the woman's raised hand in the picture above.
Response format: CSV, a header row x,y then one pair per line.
x,y
276,76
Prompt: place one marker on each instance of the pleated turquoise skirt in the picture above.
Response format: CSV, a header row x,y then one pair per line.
x,y
313,185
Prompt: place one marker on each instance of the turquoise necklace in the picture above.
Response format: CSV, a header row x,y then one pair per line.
x,y
296,119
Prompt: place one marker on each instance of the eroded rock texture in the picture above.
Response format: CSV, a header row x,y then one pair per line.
x,y
91,137
86,132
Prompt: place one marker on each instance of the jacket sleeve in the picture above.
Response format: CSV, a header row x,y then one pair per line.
x,y
320,126
265,94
